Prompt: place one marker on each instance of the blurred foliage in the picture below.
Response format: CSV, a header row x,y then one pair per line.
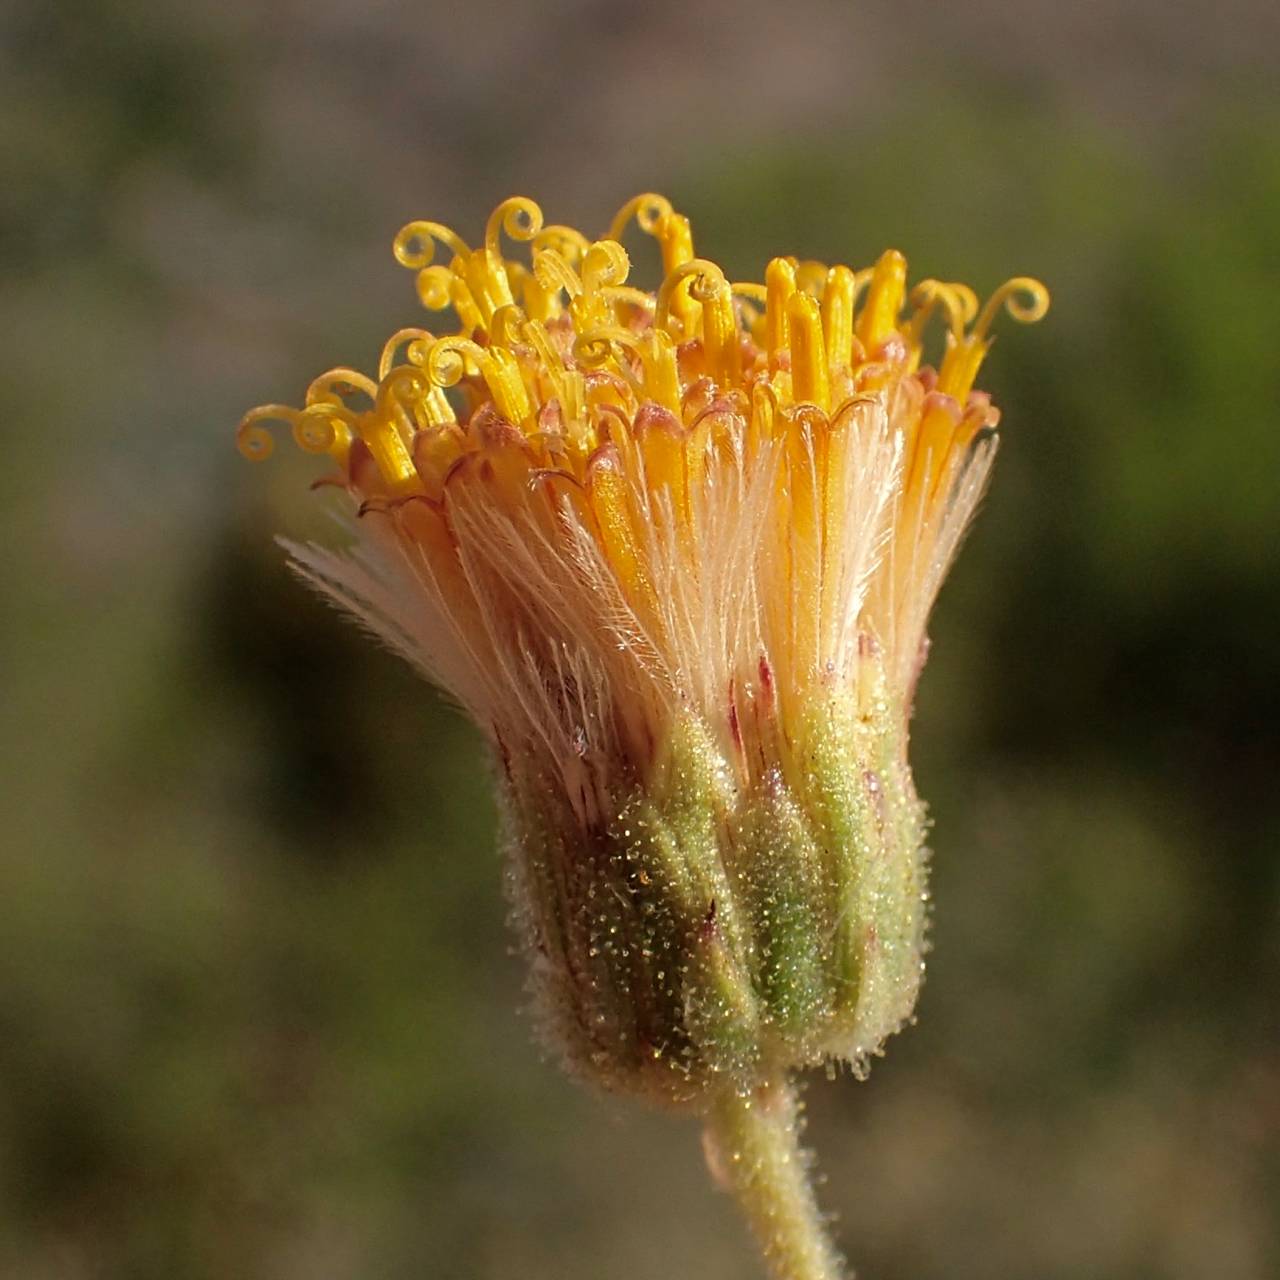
x,y
257,1013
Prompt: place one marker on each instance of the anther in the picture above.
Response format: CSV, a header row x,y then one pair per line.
x,y
809,381
837,317
780,283
879,316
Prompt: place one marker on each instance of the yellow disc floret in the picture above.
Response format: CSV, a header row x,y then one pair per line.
x,y
560,382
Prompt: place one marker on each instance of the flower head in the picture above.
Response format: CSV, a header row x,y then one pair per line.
x,y
674,552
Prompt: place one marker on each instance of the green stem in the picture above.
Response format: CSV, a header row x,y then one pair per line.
x,y
754,1148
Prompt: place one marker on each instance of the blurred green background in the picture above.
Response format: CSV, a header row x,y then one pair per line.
x,y
258,1015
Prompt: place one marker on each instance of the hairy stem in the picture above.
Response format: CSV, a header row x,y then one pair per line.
x,y
753,1149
